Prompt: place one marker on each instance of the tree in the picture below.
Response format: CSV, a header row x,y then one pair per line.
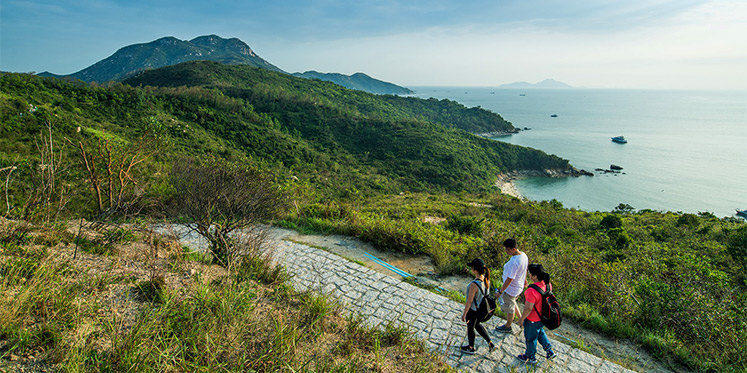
x,y
216,198
48,195
110,172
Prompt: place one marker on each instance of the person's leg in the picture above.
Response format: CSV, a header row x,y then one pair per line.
x,y
508,307
531,332
543,340
471,331
483,332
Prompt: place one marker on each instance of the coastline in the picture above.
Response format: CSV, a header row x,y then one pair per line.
x,y
506,184
505,181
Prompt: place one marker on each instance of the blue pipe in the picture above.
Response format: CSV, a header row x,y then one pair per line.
x,y
387,265
393,268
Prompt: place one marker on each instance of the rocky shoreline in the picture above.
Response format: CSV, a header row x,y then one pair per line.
x,y
552,173
498,133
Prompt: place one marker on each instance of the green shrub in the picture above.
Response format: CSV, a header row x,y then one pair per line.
x,y
256,267
153,290
465,224
611,221
119,236
737,245
688,220
94,246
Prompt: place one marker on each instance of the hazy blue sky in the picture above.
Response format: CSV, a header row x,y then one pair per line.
x,y
681,44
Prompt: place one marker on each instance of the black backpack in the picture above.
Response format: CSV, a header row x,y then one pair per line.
x,y
486,308
550,312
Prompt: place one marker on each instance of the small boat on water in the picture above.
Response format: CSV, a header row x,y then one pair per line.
x,y
554,115
742,213
619,140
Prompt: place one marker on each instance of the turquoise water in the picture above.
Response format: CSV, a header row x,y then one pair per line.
x,y
686,150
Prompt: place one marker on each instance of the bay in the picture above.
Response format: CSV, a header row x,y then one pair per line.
x,y
686,150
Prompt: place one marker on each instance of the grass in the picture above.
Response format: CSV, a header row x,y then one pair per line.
x,y
71,318
669,282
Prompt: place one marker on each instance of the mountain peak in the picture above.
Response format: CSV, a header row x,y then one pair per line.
x,y
166,40
167,51
207,39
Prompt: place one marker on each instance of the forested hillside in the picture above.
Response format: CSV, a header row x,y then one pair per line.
x,y
341,140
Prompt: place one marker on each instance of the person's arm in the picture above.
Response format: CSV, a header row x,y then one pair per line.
x,y
504,286
470,299
527,310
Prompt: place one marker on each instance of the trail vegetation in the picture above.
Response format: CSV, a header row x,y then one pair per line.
x,y
329,159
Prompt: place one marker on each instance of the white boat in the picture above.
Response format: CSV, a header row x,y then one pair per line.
x,y
619,140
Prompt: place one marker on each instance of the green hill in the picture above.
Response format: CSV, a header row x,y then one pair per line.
x,y
359,81
341,140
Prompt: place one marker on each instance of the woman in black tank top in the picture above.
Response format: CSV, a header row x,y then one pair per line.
x,y
474,296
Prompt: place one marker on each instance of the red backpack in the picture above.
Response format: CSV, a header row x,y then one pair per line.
x,y
550,312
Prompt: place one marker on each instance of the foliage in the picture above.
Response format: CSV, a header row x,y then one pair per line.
x,y
216,198
344,143
673,287
71,320
153,290
380,168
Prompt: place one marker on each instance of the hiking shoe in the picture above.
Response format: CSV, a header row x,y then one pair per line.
x,y
526,360
491,347
551,355
503,329
469,350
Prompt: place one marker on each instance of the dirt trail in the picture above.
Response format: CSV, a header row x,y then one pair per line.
x,y
623,352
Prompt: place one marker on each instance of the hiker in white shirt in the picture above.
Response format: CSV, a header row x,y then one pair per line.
x,y
514,282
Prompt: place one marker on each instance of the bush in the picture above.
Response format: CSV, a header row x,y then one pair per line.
x,y
611,221
256,267
737,245
465,224
119,236
688,220
153,290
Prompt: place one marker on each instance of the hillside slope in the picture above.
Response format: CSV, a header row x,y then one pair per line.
x,y
340,140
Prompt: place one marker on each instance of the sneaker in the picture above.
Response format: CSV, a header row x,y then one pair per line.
x,y
526,360
491,347
503,329
469,350
551,355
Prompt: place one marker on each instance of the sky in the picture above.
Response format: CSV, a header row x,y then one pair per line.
x,y
637,44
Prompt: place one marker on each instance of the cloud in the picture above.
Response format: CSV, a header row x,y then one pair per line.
x,y
615,43
698,48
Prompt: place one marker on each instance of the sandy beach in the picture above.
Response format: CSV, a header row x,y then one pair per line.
x,y
506,184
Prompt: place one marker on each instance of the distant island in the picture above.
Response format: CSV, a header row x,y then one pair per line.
x,y
547,83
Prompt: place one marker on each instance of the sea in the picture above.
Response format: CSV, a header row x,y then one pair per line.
x,y
686,150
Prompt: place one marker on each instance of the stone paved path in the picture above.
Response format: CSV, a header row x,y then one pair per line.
x,y
432,318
